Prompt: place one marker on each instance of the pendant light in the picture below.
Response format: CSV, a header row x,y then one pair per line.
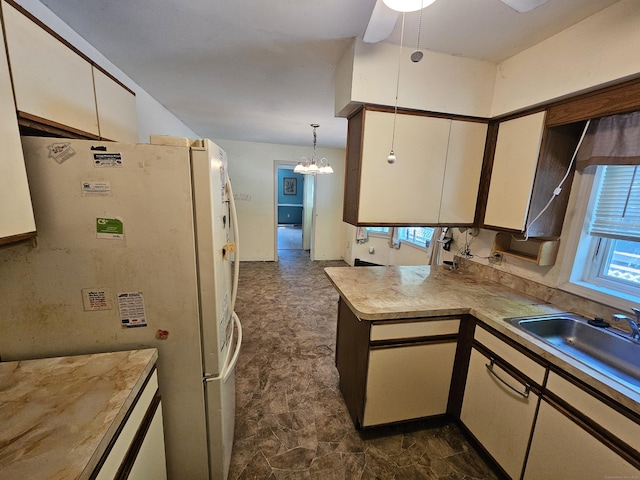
x,y
417,55
391,158
313,166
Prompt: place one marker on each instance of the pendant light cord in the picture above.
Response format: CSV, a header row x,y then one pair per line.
x,y
420,24
395,110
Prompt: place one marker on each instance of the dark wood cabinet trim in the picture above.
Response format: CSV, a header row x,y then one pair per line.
x,y
35,124
461,365
13,240
485,174
614,99
413,341
423,113
353,165
352,360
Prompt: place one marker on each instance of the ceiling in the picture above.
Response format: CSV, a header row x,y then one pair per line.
x,y
262,71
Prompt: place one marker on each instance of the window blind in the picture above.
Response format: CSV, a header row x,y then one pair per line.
x,y
617,208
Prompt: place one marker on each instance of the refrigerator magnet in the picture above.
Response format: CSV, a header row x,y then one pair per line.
x,y
109,228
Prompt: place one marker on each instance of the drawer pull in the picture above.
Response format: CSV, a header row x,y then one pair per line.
x,y
527,387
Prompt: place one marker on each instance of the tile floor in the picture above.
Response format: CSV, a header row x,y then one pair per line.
x,y
291,421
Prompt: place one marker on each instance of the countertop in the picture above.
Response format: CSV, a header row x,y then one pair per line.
x,y
387,293
58,415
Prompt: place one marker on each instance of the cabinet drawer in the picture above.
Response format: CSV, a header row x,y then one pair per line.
x,y
125,438
406,330
616,423
520,361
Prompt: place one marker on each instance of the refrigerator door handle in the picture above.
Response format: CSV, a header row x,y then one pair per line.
x,y
229,365
228,370
236,258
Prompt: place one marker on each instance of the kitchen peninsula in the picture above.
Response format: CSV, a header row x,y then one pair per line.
x,y
418,342
81,416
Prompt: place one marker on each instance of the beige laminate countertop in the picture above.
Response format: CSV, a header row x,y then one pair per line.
x,y
387,293
58,415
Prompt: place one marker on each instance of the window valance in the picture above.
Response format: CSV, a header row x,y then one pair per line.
x,y
613,140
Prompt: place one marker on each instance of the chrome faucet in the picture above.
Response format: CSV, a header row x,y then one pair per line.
x,y
634,324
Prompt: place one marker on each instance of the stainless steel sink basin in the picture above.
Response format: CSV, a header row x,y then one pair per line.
x,y
604,349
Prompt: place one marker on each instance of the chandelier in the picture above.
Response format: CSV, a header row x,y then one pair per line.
x,y
313,166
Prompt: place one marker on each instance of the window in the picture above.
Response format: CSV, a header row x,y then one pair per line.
x,y
414,236
378,231
608,257
418,236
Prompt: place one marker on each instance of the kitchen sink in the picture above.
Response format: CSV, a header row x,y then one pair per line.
x,y
604,349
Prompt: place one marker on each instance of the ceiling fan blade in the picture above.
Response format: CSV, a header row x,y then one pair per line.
x,y
382,22
523,6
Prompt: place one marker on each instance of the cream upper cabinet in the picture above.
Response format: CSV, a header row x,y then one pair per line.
x,y
514,168
434,179
52,83
16,212
409,190
116,106
462,173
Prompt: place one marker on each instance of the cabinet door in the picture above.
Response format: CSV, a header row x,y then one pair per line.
x,y
408,382
121,444
514,167
562,449
116,106
462,173
16,212
50,81
408,191
150,461
499,418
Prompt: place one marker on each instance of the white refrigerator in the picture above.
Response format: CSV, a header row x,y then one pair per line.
x,y
137,247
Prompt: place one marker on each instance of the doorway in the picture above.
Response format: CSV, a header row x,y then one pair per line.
x,y
294,199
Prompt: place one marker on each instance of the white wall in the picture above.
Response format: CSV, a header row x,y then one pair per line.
x,y
153,118
596,51
251,169
368,73
383,254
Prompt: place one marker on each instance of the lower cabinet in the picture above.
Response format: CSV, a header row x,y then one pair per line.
x,y
150,460
534,420
138,450
395,370
406,382
499,410
562,449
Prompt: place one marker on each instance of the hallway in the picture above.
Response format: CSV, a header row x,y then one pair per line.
x,y
291,421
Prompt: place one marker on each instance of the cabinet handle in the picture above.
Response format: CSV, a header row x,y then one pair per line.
x,y
527,387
